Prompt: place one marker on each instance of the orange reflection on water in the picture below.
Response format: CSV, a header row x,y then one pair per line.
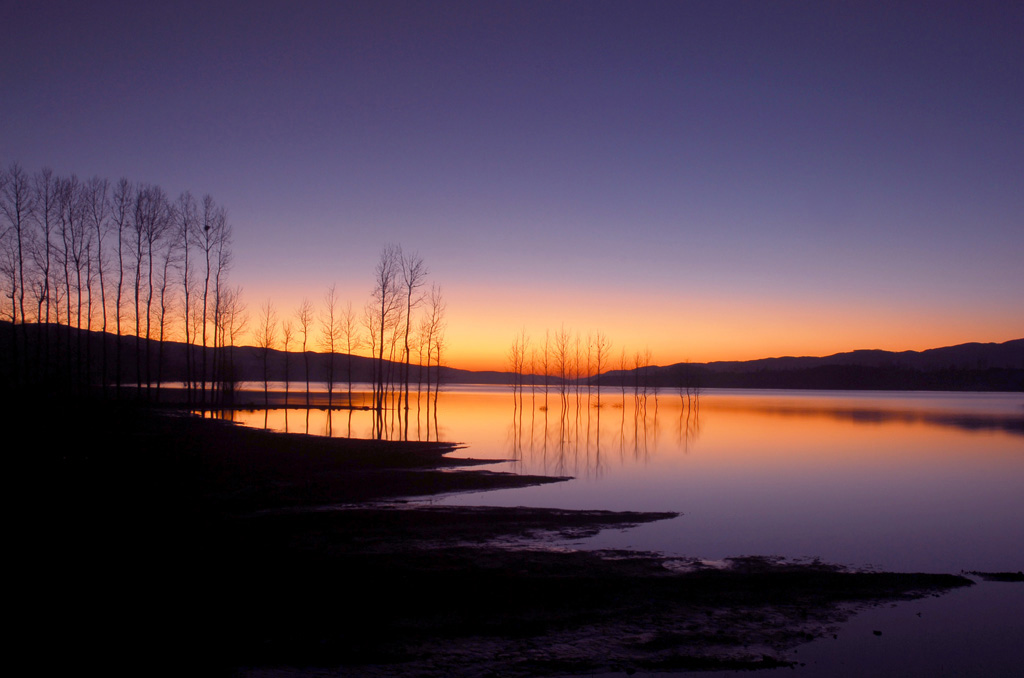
x,y
924,481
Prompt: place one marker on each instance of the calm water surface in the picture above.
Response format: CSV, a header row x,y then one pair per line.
x,y
900,481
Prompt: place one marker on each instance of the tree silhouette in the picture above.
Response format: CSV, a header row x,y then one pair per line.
x,y
16,206
414,273
266,340
187,215
211,238
304,316
122,206
70,252
432,331
602,351
98,213
330,338
234,320
563,364
286,340
385,305
171,260
351,340
222,264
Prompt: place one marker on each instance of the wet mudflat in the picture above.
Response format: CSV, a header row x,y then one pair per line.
x,y
170,543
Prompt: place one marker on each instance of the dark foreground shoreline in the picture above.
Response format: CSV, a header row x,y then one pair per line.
x,y
166,543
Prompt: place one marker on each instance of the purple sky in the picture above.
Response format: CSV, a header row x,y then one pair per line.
x,y
715,180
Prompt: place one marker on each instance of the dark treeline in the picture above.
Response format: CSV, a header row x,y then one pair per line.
x,y
108,286
401,329
83,259
247,365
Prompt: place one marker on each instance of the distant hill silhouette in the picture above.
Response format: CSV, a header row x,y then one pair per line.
x,y
966,367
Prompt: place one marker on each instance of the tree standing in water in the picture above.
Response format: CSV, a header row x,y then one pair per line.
x,y
352,342
385,305
266,340
330,333
304,316
286,339
414,273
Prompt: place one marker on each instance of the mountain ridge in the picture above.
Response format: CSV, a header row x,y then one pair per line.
x,y
981,366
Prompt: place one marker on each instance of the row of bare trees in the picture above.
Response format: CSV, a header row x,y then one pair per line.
x,y
575,366
567,362
401,328
126,260
98,278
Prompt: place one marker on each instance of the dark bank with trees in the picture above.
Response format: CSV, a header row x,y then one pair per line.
x,y
115,290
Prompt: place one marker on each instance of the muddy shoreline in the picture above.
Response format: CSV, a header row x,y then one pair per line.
x,y
172,543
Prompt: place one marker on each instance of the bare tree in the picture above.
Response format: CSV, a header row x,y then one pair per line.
x,y
577,371
352,342
602,350
286,339
152,223
45,200
210,237
266,340
16,206
121,203
138,251
71,229
222,264
98,213
513,368
171,256
414,274
563,364
185,234
234,319
385,305
546,365
517,364
330,338
432,327
439,346
304,316
623,369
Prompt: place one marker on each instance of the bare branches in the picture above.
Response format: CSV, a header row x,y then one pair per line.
x,y
69,249
266,341
385,308
304,316
330,337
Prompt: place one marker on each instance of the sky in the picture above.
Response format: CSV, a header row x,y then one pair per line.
x,y
707,180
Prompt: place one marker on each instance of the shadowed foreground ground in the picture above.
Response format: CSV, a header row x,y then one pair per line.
x,y
170,544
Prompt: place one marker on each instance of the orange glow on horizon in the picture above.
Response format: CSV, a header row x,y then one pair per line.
x,y
482,324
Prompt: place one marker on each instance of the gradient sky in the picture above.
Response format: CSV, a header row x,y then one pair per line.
x,y
712,180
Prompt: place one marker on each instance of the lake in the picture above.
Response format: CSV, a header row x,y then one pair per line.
x,y
900,481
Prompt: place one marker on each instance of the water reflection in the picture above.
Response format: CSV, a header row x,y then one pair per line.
x,y
579,435
347,415
971,412
927,482
908,481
